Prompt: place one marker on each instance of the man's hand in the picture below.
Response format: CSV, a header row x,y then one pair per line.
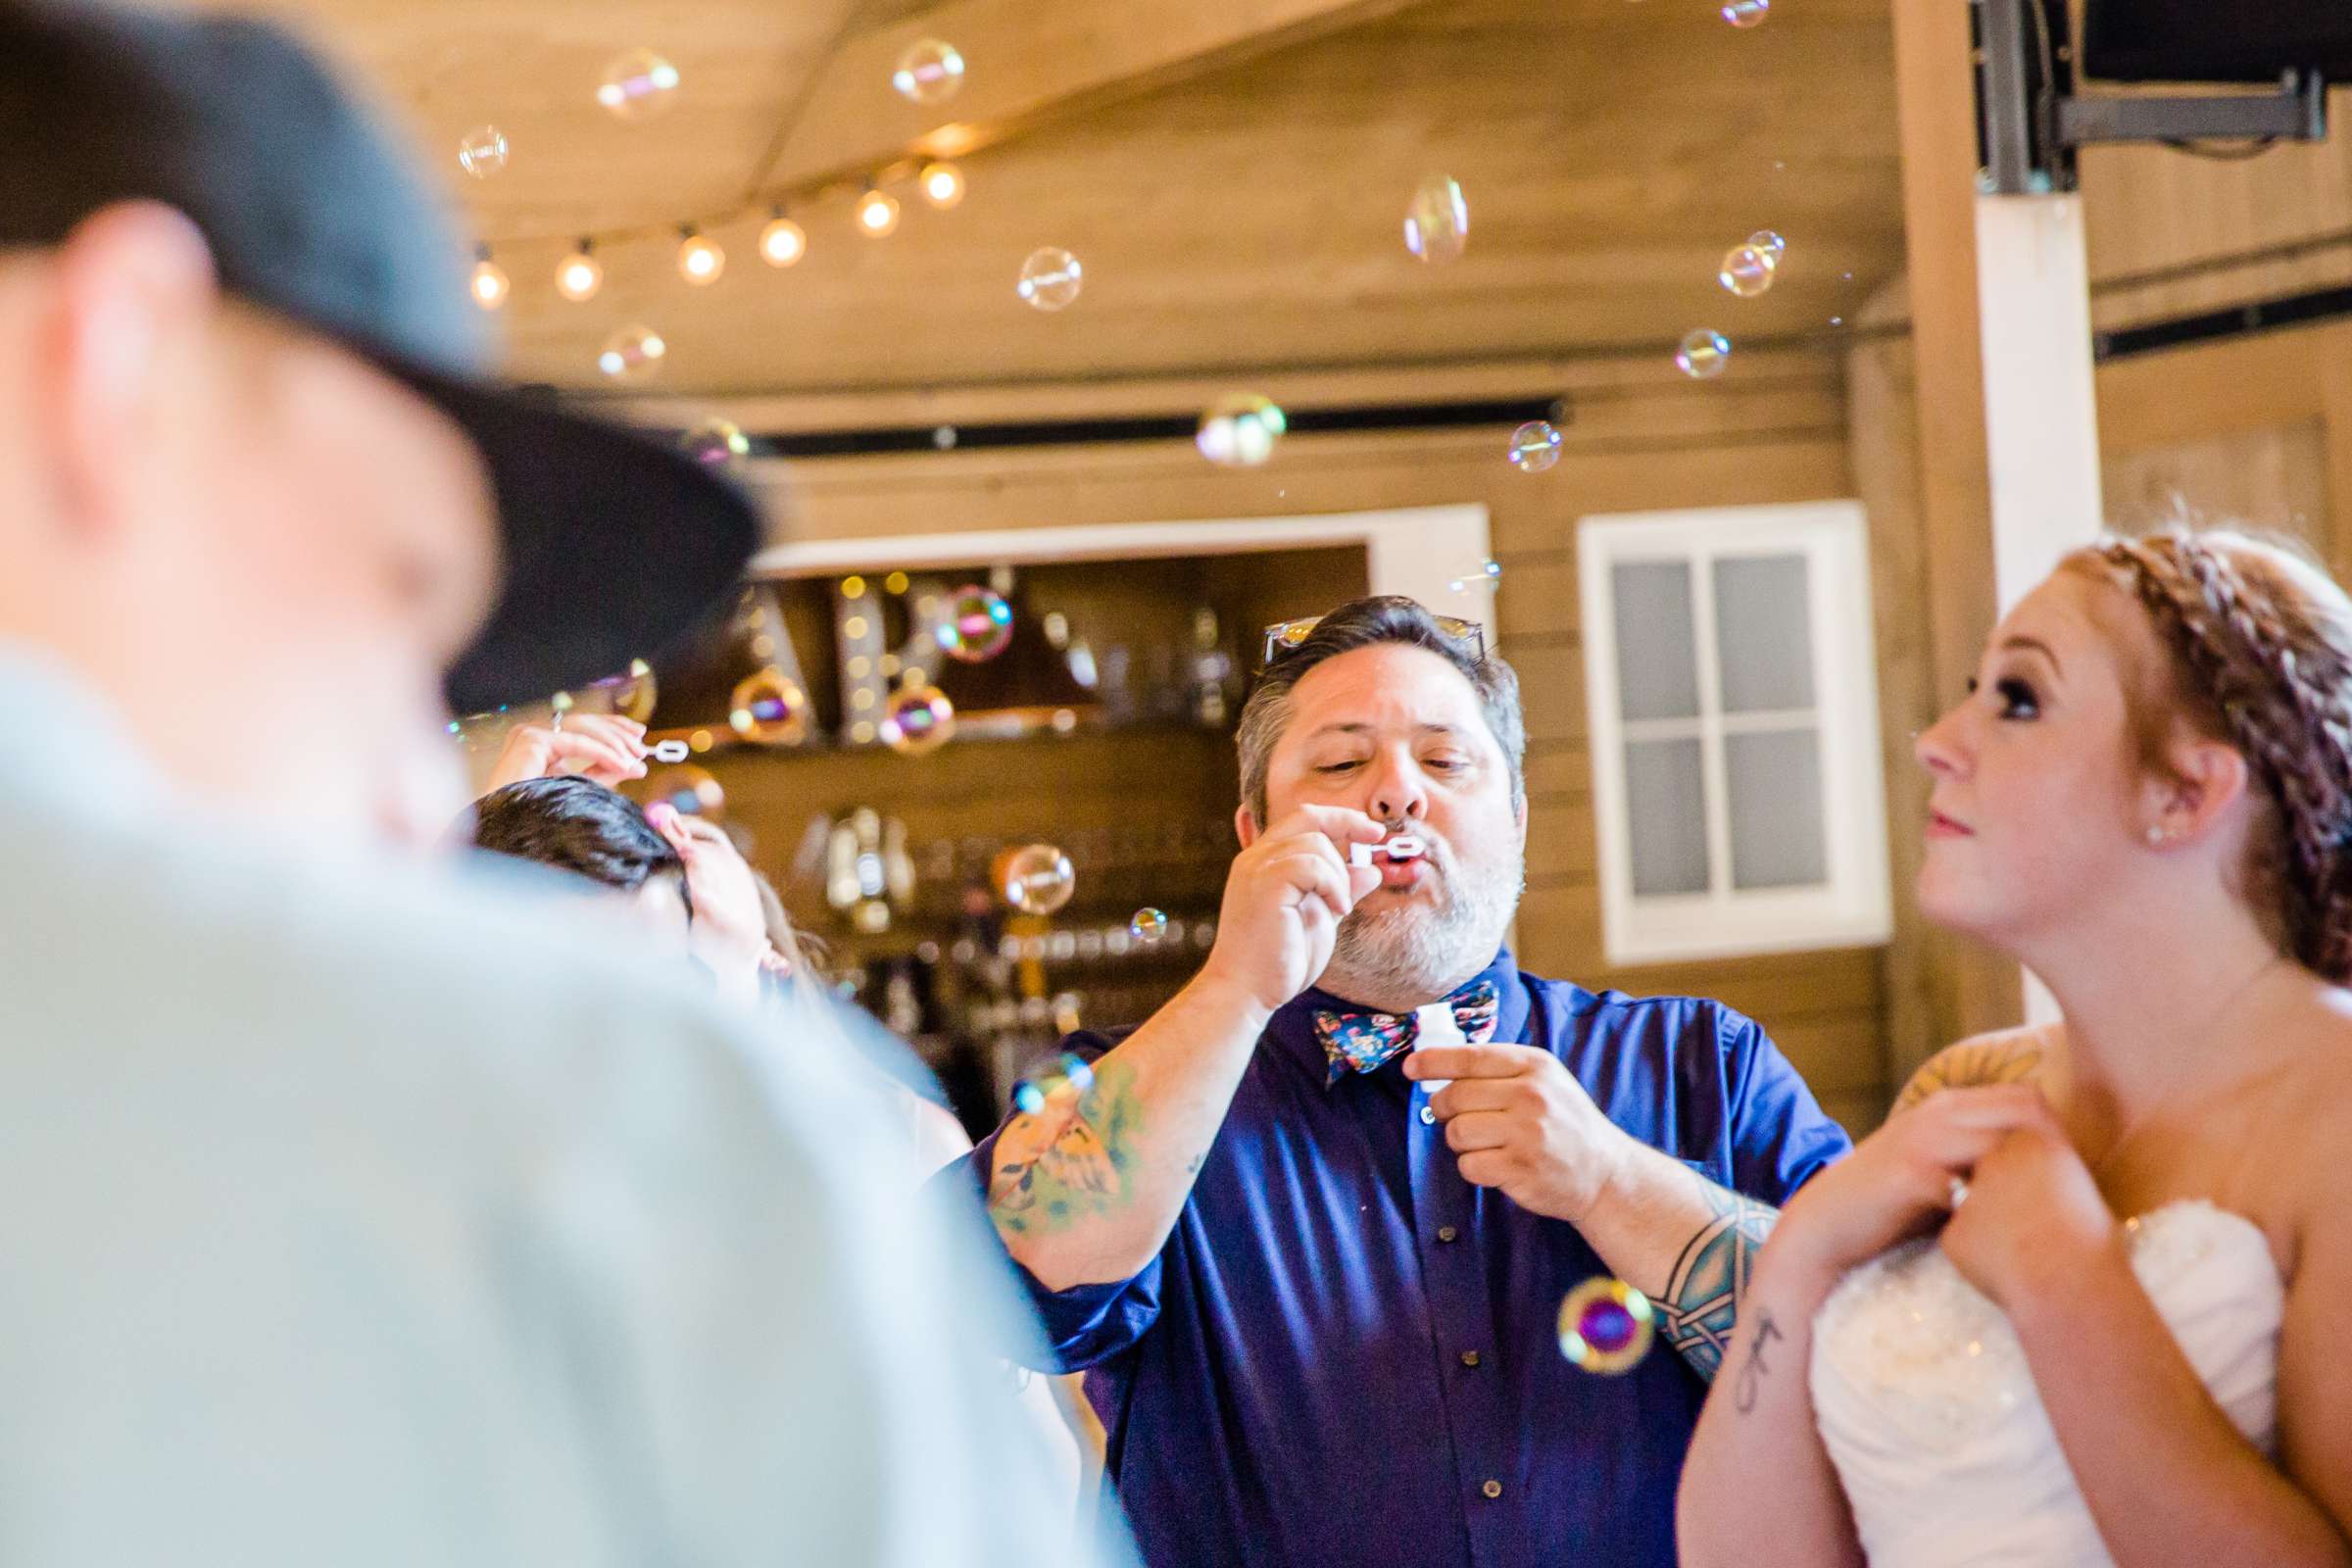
x,y
1518,1121
603,747
1284,900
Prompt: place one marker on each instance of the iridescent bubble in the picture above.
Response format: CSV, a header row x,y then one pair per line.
x,y
633,354
1770,243
1050,279
929,73
978,625
690,789
916,720
1148,925
1437,225
1077,1072
716,444
1607,1327
1028,1099
1748,270
1534,447
638,86
1241,430
483,151
1747,13
770,709
1038,879
1703,354
631,695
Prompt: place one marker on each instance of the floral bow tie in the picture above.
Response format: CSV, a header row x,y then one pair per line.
x,y
1360,1042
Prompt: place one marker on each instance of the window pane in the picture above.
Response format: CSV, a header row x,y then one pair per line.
x,y
1777,809
1763,633
1665,792
1657,659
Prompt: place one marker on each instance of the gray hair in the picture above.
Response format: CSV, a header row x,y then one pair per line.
x,y
1366,623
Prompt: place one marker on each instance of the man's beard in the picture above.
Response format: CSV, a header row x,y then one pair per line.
x,y
1397,955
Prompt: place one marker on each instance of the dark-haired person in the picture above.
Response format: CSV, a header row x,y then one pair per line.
x,y
1313,1261
2081,1301
577,826
378,1220
690,892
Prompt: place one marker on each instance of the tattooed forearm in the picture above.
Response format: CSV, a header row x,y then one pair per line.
x,y
1966,1066
1068,1160
1753,1371
1702,1306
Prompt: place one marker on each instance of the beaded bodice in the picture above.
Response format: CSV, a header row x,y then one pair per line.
x,y
1928,1407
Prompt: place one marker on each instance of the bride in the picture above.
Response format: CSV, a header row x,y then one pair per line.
x,y
2084,1299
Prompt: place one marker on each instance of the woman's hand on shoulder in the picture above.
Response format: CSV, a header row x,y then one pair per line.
x,y
1901,1181
2034,1222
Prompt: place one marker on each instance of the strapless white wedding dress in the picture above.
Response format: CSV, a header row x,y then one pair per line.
x,y
1929,1410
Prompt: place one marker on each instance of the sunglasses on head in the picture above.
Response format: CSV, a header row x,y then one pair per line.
x,y
1285,637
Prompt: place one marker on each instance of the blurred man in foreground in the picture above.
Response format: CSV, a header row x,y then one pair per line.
x,y
348,1218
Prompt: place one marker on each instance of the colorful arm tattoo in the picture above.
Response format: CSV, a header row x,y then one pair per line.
x,y
1068,1160
1702,1306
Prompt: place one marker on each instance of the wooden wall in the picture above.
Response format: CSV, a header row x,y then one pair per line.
x,y
2256,427
1638,438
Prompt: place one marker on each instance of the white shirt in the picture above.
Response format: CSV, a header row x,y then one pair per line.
x,y
351,1215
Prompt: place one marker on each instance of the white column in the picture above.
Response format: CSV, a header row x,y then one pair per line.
x,y
2042,417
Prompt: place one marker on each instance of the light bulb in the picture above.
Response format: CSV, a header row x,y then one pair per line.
x,y
782,242
943,185
579,276
877,212
699,260
489,281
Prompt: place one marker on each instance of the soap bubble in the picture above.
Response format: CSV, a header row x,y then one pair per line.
x,y
1747,271
1607,1327
1241,430
916,720
1038,879
716,444
638,86
1148,925
1747,13
929,73
631,695
1770,243
633,354
1437,224
1703,354
1534,447
691,790
483,151
1050,278
771,709
978,625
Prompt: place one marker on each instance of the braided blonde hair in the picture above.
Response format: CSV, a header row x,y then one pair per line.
x,y
2260,655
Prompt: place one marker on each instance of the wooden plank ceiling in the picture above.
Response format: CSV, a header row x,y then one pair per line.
x,y
1235,193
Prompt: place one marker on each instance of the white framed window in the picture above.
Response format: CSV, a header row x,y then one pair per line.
x,y
1732,690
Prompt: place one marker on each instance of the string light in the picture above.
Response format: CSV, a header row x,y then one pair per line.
x,y
943,185
699,260
782,242
579,276
877,212
489,281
